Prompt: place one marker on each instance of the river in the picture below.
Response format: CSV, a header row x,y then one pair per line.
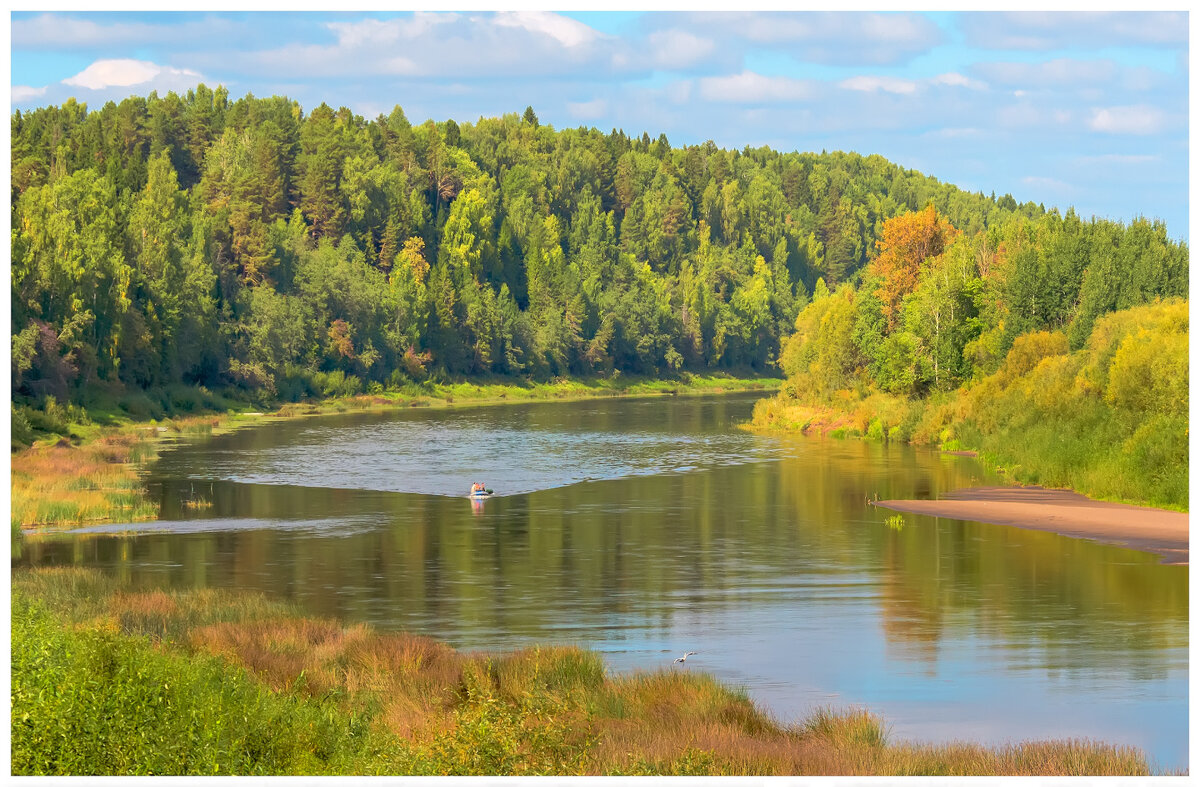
x,y
643,528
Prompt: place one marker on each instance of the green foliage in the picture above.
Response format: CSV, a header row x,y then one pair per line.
x,y
22,429
820,356
1109,420
88,701
532,735
249,246
996,314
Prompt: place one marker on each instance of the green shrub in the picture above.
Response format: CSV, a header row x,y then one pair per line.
x,y
91,702
50,418
1149,372
1028,350
336,383
141,407
22,429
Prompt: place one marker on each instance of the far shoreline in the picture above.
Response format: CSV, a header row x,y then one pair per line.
x,y
1154,530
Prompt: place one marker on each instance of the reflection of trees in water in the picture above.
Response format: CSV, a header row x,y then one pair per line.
x,y
1030,589
792,533
1036,591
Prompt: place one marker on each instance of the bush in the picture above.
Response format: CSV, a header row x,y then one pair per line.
x,y
90,702
186,399
336,383
1149,373
141,407
52,418
22,430
1028,350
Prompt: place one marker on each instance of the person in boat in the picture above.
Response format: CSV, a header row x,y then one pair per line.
x,y
477,488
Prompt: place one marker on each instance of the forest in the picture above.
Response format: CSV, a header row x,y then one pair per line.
x,y
246,246
1055,347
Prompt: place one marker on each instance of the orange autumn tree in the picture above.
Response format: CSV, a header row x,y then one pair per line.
x,y
907,241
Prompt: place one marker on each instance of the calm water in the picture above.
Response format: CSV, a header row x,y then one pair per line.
x,y
643,528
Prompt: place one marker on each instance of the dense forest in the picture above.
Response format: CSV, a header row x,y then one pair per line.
x,y
245,245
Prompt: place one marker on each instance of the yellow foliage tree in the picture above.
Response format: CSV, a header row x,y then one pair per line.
x,y
907,241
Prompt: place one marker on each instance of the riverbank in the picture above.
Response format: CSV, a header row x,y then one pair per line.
x,y
106,681
91,474
1062,511
1089,447
1108,419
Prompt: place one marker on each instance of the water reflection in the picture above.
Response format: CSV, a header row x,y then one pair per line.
x,y
774,568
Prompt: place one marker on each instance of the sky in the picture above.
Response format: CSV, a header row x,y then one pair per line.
x,y
1069,109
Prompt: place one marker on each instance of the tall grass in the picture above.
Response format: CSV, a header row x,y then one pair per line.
x,y
106,681
64,484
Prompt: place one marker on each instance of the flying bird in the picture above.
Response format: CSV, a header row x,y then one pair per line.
x,y
683,659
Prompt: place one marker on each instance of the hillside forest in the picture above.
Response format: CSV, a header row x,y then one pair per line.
x,y
191,241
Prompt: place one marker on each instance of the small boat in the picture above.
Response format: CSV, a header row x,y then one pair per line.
x,y
481,494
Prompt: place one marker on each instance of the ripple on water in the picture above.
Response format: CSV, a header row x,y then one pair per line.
x,y
439,458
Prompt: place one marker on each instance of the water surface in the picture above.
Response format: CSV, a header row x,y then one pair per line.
x,y
642,528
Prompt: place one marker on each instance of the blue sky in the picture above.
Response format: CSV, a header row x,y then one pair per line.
x,y
1068,109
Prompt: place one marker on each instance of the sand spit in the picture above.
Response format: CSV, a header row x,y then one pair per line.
x,y
1062,511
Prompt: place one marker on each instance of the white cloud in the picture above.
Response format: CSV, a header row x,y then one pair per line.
x,y
588,110
1019,116
63,32
826,37
958,80
377,32
565,30
674,49
751,88
1061,72
113,73
1045,30
871,84
25,92
679,92
123,73
1136,119
483,46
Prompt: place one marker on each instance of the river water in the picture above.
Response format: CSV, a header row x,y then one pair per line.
x,y
642,528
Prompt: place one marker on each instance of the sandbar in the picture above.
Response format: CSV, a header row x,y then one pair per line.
x,y
1062,511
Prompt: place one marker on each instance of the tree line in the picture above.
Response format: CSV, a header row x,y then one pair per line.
x,y
190,239
938,307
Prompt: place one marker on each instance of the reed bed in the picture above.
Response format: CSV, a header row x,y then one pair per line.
x,y
234,683
64,485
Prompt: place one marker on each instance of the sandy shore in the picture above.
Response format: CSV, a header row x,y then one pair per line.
x,y
1061,511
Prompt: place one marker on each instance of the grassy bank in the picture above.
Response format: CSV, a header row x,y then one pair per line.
x,y
94,475
1109,420
86,470
106,681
